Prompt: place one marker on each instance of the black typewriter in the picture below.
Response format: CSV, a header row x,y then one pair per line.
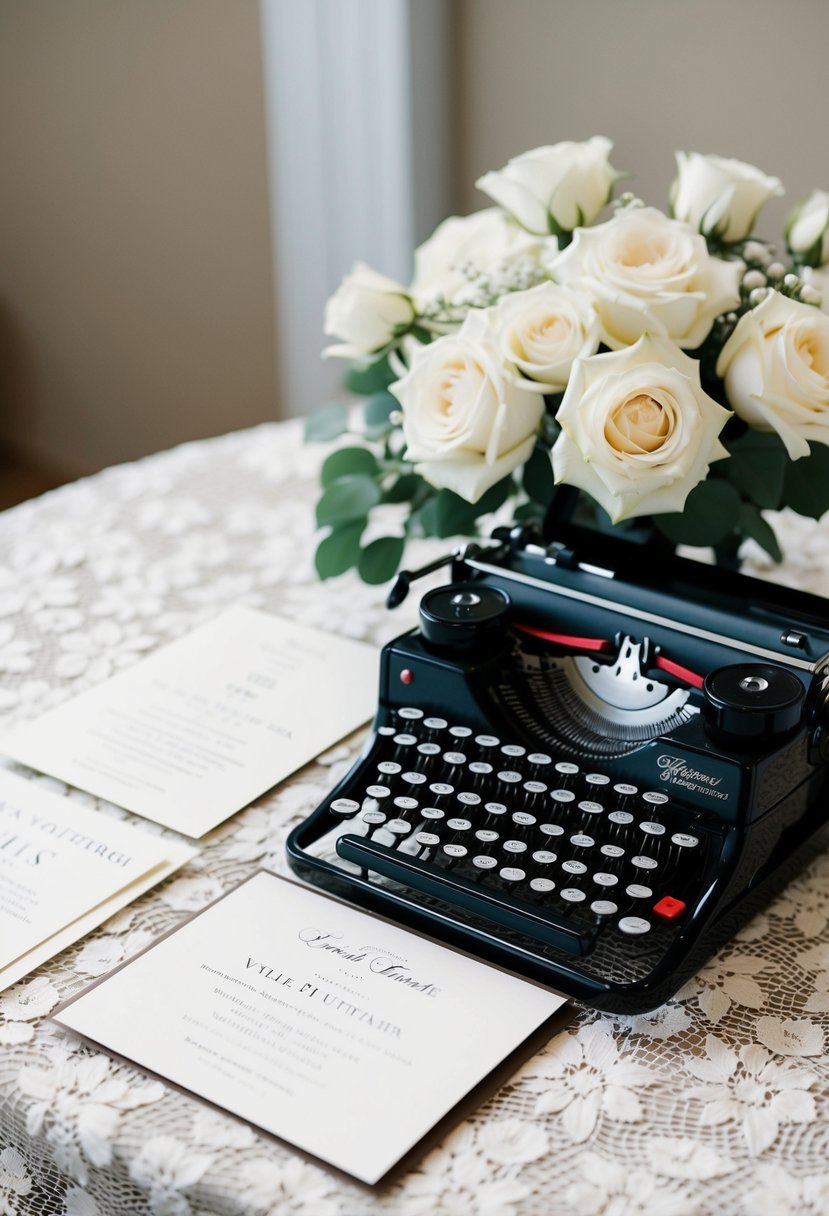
x,y
586,766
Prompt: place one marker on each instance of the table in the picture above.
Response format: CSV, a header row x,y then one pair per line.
x,y
718,1102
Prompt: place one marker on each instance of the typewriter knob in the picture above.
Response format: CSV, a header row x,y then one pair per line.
x,y
462,616
749,701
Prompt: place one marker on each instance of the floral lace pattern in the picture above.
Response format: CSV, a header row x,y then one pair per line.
x,y
717,1102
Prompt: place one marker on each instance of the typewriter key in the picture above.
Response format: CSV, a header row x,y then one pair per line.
x,y
487,741
458,825
413,778
605,880
515,846
435,723
634,925
429,749
512,874
398,827
486,836
544,857
387,730
684,840
405,740
542,884
655,797
410,712
637,891
653,829
603,907
455,850
483,862
644,863
573,895
523,819
345,807
378,792
574,867
427,839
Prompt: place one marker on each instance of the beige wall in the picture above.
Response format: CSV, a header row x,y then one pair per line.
x,y
742,78
135,273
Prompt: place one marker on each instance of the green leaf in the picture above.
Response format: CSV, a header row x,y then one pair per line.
x,y
711,511
752,524
377,411
404,489
347,500
806,486
326,423
537,478
757,467
447,514
346,461
340,550
495,497
379,560
365,378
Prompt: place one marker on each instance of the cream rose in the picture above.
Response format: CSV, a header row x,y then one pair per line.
x,y
464,248
466,419
776,371
637,430
543,330
649,274
718,196
555,188
365,311
807,231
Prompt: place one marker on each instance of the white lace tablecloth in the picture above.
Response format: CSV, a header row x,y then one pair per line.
x,y
717,1103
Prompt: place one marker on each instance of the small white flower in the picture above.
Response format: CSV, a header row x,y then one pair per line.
x,y
101,953
610,1189
456,1180
278,1188
675,1158
512,1141
165,1168
790,1036
100,650
15,1181
778,1192
190,893
665,1022
727,981
79,1203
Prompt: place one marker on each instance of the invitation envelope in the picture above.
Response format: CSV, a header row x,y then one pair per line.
x,y
64,869
197,730
340,1033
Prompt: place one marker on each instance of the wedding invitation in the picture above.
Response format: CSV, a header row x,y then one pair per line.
x,y
338,1032
64,869
200,728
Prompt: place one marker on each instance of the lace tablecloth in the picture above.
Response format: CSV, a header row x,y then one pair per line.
x,y
716,1103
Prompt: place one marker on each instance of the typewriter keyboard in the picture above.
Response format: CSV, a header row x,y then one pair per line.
x,y
539,845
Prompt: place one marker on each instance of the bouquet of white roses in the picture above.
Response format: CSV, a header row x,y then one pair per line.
x,y
667,366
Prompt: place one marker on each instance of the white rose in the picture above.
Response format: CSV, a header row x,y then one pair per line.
x,y
554,188
776,371
718,196
543,330
649,274
465,248
817,279
365,311
637,430
466,419
807,231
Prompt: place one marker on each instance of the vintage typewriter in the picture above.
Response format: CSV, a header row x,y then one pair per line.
x,y
587,766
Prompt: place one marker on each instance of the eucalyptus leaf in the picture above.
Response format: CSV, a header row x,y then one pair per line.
x,y
365,378
377,411
404,489
347,461
347,500
326,423
757,467
340,550
379,561
711,511
806,485
754,525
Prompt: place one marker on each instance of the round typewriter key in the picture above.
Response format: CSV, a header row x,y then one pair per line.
x,y
567,768
655,797
480,768
539,758
410,712
562,795
684,840
523,819
514,750
581,841
435,723
653,829
405,740
591,808
374,818
377,791
515,846
597,779
509,776
637,891
644,863
345,807
387,730
634,926
626,791
535,787
454,757
429,749
486,836
544,857
458,825
612,850
495,808
603,907
427,839
574,867
432,812
413,778
620,817
605,880
469,799
454,850
487,741
406,804
512,874
551,829
483,862
441,789
573,895
542,884
460,732
388,767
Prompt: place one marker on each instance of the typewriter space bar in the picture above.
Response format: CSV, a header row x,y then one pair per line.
x,y
459,891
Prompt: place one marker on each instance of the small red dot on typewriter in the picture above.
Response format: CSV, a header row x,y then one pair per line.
x,y
406,676
669,908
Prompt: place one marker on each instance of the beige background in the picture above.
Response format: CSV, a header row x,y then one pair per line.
x,y
136,283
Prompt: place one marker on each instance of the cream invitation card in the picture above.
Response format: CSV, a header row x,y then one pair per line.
x,y
343,1034
64,869
200,728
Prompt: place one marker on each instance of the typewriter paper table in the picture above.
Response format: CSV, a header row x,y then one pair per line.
x,y
718,1102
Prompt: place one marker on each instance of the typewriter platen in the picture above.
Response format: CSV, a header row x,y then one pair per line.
x,y
586,766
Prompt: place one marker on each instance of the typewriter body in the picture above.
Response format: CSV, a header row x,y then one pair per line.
x,y
586,766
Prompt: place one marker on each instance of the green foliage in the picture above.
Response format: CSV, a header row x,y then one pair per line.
x,y
752,524
537,478
806,484
340,550
447,514
378,562
367,378
377,411
406,488
712,511
348,461
347,500
757,467
326,423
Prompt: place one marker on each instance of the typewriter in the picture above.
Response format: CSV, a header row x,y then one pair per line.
x,y
586,766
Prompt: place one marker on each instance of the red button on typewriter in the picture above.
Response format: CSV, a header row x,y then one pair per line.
x,y
669,908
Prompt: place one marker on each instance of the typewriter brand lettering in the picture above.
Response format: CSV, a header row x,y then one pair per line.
x,y
677,772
